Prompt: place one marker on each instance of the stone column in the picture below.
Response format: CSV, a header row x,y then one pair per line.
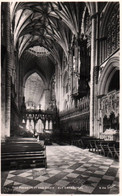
x,y
96,72
93,49
70,70
47,98
57,87
70,63
8,71
61,93
34,126
91,79
94,64
3,73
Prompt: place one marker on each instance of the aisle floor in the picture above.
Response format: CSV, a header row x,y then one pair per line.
x,y
70,170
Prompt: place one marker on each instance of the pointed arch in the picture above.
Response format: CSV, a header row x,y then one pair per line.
x,y
92,8
30,73
110,68
107,12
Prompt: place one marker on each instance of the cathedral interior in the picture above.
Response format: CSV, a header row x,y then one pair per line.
x,y
60,85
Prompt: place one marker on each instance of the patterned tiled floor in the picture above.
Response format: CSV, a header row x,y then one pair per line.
x,y
70,170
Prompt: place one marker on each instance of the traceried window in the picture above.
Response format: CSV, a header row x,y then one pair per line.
x,y
34,91
112,30
87,28
109,42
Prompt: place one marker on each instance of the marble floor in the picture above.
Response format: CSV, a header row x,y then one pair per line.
x,y
70,170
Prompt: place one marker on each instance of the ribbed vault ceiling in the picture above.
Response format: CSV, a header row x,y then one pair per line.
x,y
46,24
50,26
42,63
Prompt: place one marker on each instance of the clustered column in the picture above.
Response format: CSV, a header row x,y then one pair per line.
x,y
8,70
94,75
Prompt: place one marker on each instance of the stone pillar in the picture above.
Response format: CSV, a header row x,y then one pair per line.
x,y
34,127
93,49
70,62
96,72
100,123
8,71
3,73
47,98
18,101
91,79
94,77
61,93
21,87
57,87
70,70
95,101
19,84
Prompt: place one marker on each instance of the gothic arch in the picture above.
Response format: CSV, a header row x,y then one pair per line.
x,y
107,12
30,73
109,31
92,8
109,70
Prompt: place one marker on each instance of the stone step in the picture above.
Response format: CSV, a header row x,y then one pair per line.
x,y
20,148
16,153
22,158
4,156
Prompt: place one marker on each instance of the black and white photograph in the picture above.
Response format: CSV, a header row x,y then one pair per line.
x,y
60,97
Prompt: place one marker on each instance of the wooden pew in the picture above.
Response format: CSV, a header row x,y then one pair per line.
x,y
23,153
92,146
116,150
98,147
111,151
106,148
110,148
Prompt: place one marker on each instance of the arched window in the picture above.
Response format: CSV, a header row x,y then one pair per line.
x,y
27,124
112,30
109,40
34,89
50,125
32,124
46,124
87,28
39,126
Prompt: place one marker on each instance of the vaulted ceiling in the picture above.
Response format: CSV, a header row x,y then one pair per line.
x,y
49,25
42,64
43,32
